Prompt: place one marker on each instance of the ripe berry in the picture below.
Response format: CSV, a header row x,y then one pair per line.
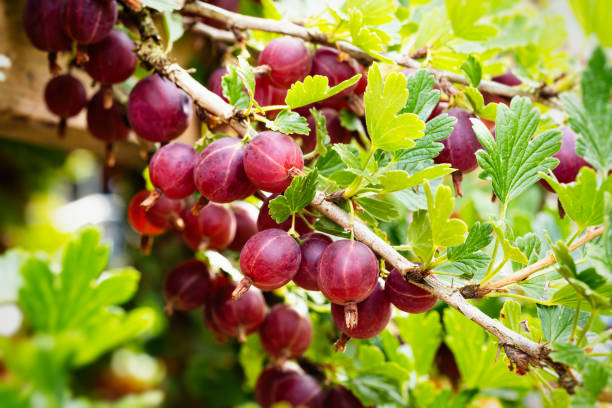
x,y
337,133
42,20
311,248
220,174
341,397
348,273
406,296
569,161
89,21
215,82
265,221
137,217
267,94
237,318
269,260
374,315
268,160
289,61
507,79
246,224
460,147
186,286
159,111
108,125
298,390
113,59
65,96
269,378
171,170
213,228
166,213
285,333
327,62
217,283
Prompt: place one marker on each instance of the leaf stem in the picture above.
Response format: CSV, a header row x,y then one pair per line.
x,y
573,237
575,324
488,274
586,327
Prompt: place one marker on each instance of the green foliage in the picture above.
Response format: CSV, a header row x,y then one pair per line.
x,y
315,89
422,333
297,196
472,70
467,257
465,16
513,159
233,88
288,122
591,117
422,98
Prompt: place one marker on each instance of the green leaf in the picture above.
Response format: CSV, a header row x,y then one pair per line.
x,y
10,265
315,89
251,359
510,315
297,196
378,209
475,354
348,154
396,180
233,88
321,131
478,238
582,200
530,245
557,321
474,101
376,12
510,252
173,25
162,5
591,118
423,334
420,237
288,122
601,254
383,100
246,73
569,354
472,70
514,159
422,97
370,39
464,16
594,17
445,232
270,11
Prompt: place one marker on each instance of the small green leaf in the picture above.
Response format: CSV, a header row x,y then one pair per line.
x,y
423,333
510,315
478,238
348,154
582,200
315,89
510,252
474,101
557,321
288,122
446,232
370,39
233,88
514,159
297,196
472,70
378,209
396,180
419,237
173,25
246,73
383,100
251,359
375,13
321,131
422,97
465,15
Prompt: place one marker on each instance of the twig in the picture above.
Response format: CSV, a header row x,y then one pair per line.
x,y
213,33
536,352
242,22
525,273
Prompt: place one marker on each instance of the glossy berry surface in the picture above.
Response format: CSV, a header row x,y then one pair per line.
x,y
137,216
246,224
298,390
374,314
268,159
348,272
240,317
326,62
341,397
312,247
569,161
270,259
285,333
89,21
507,79
268,380
113,59
289,60
42,20
159,111
186,285
65,96
265,221
213,228
166,213
461,146
337,133
108,125
215,82
406,296
171,170
219,174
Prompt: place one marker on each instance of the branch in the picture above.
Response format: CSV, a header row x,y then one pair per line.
x,y
529,350
239,21
525,273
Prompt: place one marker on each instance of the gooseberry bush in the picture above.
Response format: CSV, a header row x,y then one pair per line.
x,y
369,204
